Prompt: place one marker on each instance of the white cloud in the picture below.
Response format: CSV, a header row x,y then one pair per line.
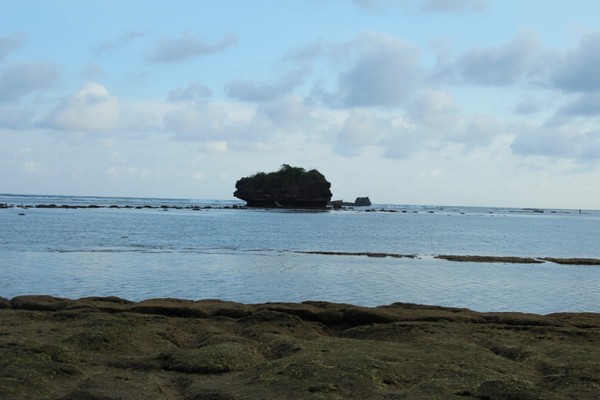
x,y
434,108
93,71
20,79
523,60
578,70
125,38
200,122
187,46
528,105
236,123
259,92
199,176
480,130
424,5
384,71
10,43
584,104
128,172
15,117
453,5
502,65
286,111
361,128
34,168
91,109
214,147
569,141
193,91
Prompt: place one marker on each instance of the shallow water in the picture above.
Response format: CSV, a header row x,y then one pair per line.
x,y
250,255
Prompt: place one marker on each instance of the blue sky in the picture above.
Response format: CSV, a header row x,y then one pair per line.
x,y
453,102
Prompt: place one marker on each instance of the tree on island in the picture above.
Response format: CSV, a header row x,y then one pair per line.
x,y
289,187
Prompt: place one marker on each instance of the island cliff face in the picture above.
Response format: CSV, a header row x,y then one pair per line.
x,y
289,187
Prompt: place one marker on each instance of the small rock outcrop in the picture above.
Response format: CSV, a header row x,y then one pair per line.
x,y
362,202
291,187
359,202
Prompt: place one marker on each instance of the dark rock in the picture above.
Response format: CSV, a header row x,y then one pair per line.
x,y
46,206
572,261
362,202
337,204
4,303
289,187
359,202
490,259
169,308
38,303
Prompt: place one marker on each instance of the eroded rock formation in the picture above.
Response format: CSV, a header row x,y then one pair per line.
x,y
289,187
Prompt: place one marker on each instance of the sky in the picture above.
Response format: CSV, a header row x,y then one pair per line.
x,y
437,102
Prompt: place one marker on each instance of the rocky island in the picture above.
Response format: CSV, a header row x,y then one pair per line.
x,y
291,187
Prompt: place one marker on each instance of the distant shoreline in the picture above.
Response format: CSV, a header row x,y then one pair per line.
x,y
373,208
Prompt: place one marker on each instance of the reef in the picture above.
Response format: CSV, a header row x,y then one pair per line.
x,y
111,348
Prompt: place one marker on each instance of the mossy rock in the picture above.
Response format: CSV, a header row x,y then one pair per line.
x,y
116,386
31,367
38,303
213,359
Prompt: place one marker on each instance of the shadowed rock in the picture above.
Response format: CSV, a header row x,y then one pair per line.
x,y
289,187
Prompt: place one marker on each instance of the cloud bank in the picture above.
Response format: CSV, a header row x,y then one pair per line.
x,y
187,46
380,97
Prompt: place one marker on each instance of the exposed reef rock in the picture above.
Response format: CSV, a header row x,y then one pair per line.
x,y
359,202
291,187
367,254
110,348
519,260
362,202
489,259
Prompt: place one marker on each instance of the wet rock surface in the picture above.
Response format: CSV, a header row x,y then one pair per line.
x,y
111,348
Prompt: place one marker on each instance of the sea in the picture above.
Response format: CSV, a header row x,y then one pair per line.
x,y
141,248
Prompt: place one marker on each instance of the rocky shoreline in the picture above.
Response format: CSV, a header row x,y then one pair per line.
x,y
111,348
114,206
335,205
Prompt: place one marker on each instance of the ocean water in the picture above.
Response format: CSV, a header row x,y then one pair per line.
x,y
168,249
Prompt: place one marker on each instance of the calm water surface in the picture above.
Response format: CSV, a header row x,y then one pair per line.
x,y
251,255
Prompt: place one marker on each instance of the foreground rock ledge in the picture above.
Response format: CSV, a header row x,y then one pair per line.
x,y
111,348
